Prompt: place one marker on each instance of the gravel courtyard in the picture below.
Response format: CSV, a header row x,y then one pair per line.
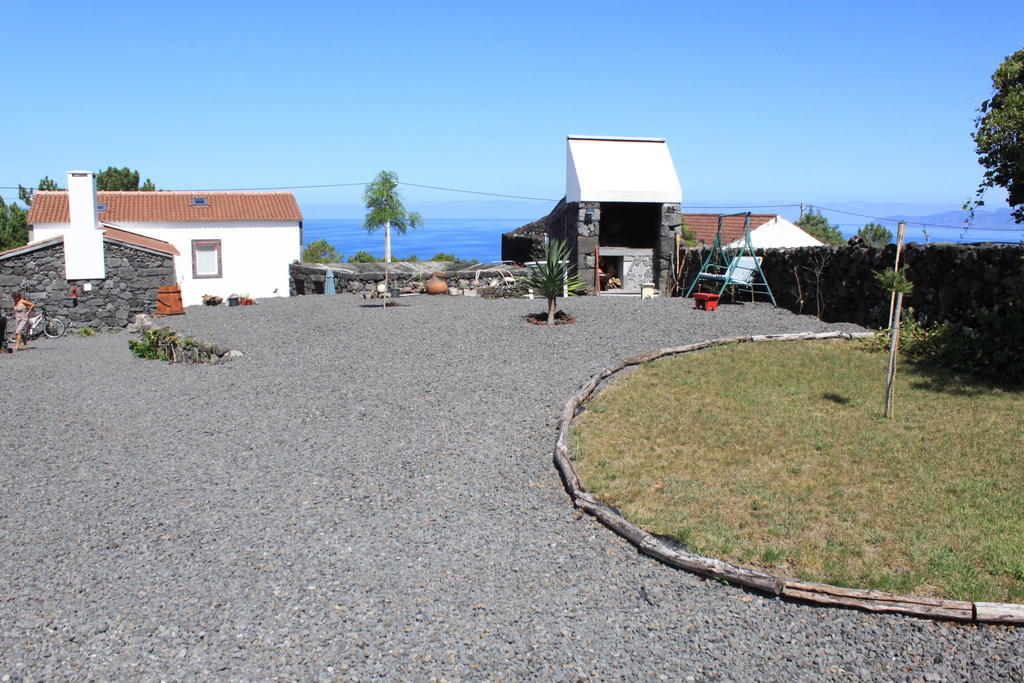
x,y
370,494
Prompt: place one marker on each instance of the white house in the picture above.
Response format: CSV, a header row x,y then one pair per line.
x,y
767,231
227,242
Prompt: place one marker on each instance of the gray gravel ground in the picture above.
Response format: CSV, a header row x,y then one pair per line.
x,y
370,494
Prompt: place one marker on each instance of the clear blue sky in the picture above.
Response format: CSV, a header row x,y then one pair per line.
x,y
819,102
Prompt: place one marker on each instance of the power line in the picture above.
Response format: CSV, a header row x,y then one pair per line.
x,y
487,194
897,220
751,206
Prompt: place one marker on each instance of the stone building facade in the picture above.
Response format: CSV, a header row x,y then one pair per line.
x,y
133,275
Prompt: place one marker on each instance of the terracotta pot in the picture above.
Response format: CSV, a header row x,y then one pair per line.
x,y
436,285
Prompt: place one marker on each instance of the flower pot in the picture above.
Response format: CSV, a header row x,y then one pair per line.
x,y
454,291
436,285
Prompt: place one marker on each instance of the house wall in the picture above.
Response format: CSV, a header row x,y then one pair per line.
x,y
130,286
254,254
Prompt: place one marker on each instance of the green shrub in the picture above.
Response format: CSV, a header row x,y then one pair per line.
x,y
444,257
85,331
363,257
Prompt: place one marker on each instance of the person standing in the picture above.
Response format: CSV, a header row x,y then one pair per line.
x,y
22,309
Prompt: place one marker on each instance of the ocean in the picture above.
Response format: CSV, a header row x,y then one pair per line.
x,y
470,239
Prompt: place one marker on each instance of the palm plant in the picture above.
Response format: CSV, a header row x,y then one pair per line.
x,y
551,278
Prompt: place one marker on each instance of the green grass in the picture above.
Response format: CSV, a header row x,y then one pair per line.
x,y
776,456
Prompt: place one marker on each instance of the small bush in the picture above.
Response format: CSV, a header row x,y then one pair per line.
x,y
85,331
363,257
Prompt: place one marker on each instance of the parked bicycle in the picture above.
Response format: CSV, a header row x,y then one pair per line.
x,y
41,324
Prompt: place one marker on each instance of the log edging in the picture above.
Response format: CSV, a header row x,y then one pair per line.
x,y
671,553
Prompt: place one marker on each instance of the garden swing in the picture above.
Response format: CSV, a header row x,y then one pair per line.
x,y
736,267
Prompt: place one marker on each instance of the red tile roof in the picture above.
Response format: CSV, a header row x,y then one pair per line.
x,y
126,207
706,225
137,240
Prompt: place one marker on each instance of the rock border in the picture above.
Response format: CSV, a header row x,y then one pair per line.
x,y
670,552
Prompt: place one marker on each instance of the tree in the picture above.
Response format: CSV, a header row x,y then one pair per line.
x,y
363,257
321,251
551,277
47,183
875,235
813,223
999,136
13,226
687,235
123,179
384,209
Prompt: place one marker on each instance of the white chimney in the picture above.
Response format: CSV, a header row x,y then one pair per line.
x,y
83,240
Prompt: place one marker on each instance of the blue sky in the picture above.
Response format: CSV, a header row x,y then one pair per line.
x,y
868,104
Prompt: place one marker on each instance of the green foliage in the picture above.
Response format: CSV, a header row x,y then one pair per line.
x,y
999,135
47,183
813,223
149,346
916,340
875,235
384,205
551,277
687,235
443,257
412,259
363,257
893,281
85,331
321,251
13,226
123,179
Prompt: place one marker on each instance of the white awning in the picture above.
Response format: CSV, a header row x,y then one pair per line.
x,y
602,169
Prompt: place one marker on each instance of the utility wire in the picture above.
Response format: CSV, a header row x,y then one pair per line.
x,y
897,220
487,194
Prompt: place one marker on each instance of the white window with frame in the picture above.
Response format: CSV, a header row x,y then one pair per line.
x,y
206,261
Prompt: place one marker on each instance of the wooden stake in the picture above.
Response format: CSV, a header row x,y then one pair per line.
x,y
894,335
901,231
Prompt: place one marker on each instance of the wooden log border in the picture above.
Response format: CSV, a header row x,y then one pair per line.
x,y
671,553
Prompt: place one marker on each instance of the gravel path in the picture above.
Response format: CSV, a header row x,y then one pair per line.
x,y
370,494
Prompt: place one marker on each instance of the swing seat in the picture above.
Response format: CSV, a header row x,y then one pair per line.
x,y
740,271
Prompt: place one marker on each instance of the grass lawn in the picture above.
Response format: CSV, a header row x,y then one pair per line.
x,y
775,455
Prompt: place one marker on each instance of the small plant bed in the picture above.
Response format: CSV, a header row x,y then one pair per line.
x,y
561,318
163,343
774,456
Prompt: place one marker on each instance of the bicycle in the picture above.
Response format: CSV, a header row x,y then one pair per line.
x,y
40,324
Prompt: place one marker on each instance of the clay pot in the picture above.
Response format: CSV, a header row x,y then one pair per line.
x,y
436,284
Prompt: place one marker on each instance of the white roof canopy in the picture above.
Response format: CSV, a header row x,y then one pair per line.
x,y
600,169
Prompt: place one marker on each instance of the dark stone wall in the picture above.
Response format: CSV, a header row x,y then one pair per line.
x,y
357,278
133,276
836,283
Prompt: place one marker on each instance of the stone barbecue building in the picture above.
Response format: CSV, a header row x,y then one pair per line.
x,y
620,215
115,273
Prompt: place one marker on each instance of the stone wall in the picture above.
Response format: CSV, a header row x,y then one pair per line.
x,y
360,278
133,276
836,283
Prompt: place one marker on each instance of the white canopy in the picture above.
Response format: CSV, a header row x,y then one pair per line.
x,y
602,169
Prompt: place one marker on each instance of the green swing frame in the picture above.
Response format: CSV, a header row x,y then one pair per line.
x,y
738,267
